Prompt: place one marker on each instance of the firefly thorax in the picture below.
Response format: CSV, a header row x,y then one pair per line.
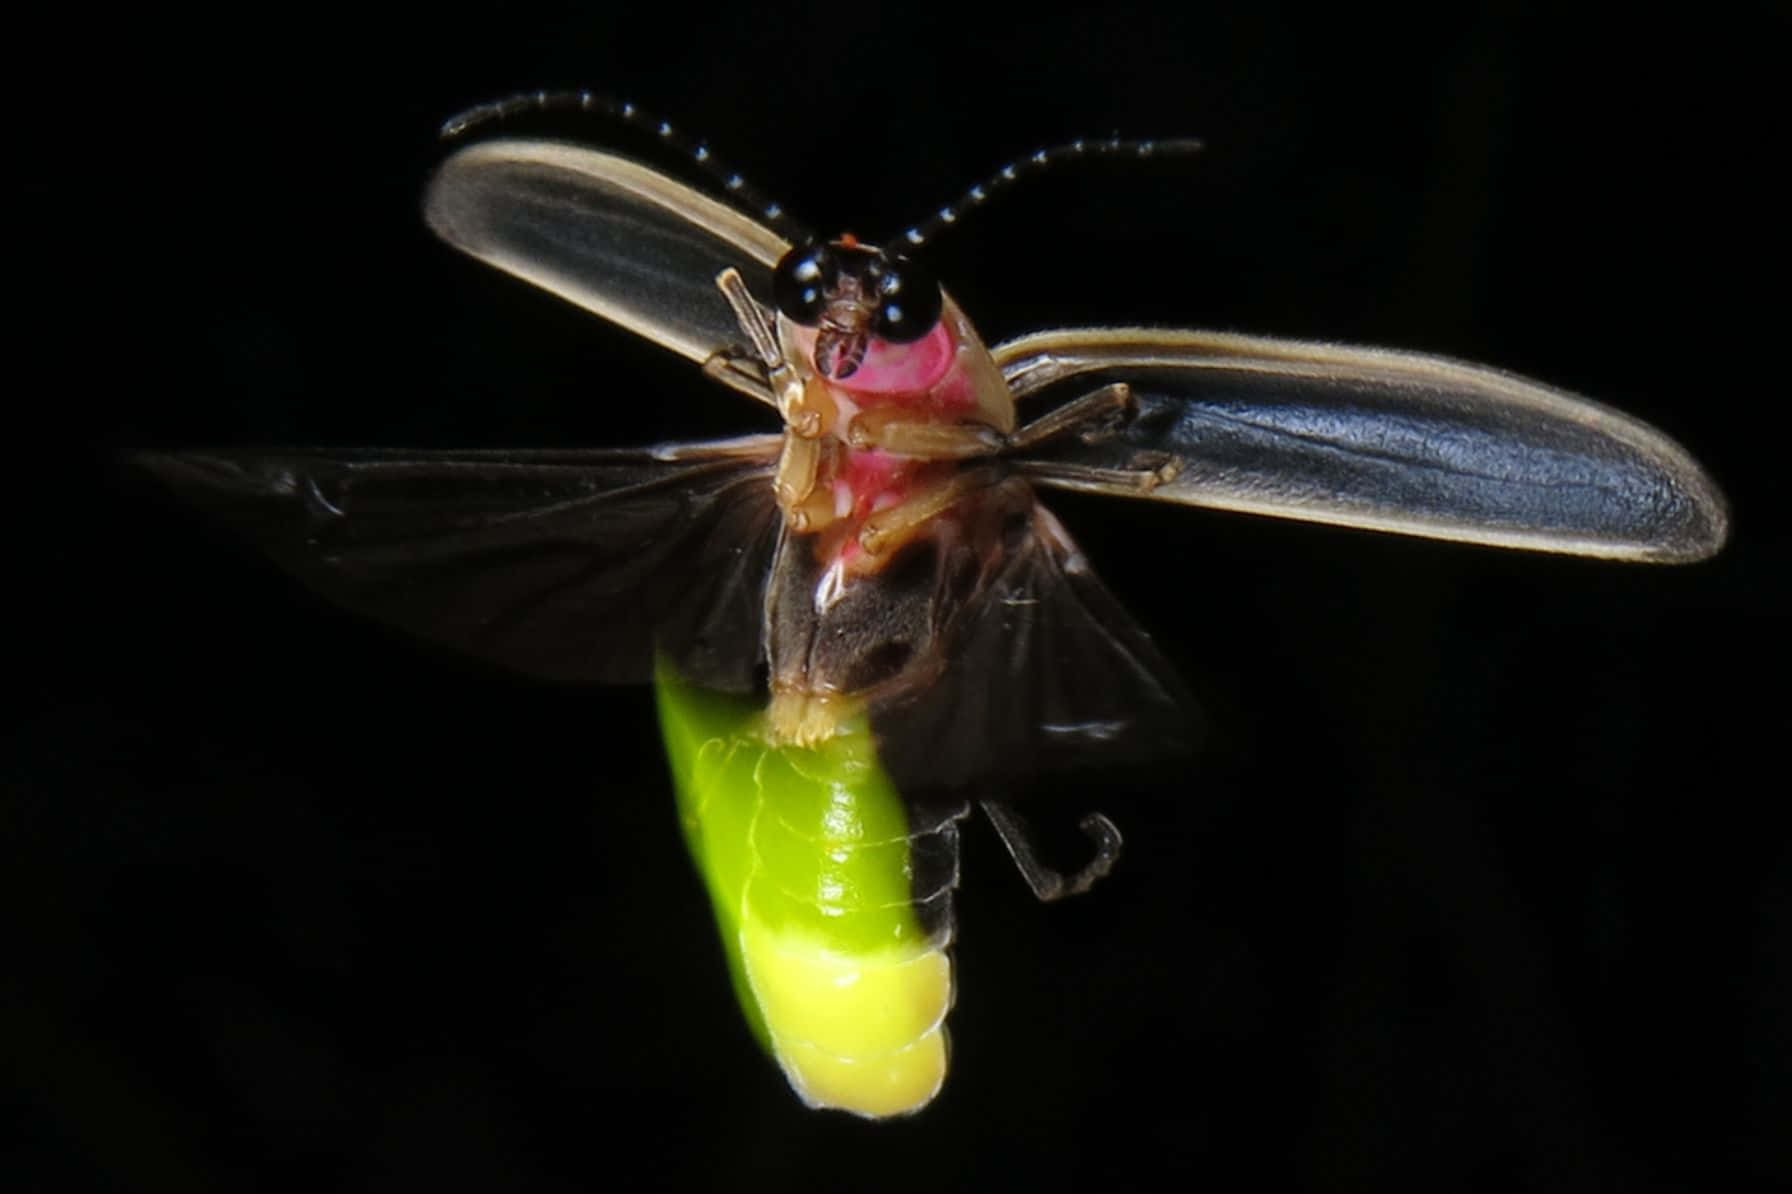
x,y
851,293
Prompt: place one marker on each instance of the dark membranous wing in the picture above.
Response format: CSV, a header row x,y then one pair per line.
x,y
565,565
1046,672
1388,441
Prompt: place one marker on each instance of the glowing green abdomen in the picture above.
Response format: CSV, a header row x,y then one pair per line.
x,y
834,910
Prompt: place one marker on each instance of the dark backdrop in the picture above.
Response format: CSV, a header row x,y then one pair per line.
x,y
1479,885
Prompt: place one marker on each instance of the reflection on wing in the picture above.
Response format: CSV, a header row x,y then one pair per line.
x,y
1387,441
1046,671
563,565
605,233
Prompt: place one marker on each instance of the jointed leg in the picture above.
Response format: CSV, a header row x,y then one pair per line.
x,y
893,526
740,370
1153,469
755,322
894,430
793,399
1084,416
1046,883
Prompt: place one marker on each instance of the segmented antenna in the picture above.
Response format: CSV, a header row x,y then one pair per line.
x,y
1033,163
524,103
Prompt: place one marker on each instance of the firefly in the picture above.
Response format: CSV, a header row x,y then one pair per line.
x,y
862,621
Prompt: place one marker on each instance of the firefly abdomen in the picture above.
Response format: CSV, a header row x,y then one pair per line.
x,y
833,897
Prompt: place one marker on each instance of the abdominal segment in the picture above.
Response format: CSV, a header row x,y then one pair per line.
x,y
834,899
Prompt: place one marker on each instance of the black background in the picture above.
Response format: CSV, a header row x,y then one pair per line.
x,y
1480,884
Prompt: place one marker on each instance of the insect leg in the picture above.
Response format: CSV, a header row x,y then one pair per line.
x,y
1093,416
757,370
740,369
807,410
894,431
755,321
806,505
1047,884
893,526
1153,469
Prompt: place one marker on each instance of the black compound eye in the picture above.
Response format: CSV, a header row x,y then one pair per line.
x,y
801,283
908,301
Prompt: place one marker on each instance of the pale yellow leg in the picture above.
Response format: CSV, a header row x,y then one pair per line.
x,y
1156,469
799,463
893,432
889,529
807,406
754,320
739,371
1082,416
808,504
